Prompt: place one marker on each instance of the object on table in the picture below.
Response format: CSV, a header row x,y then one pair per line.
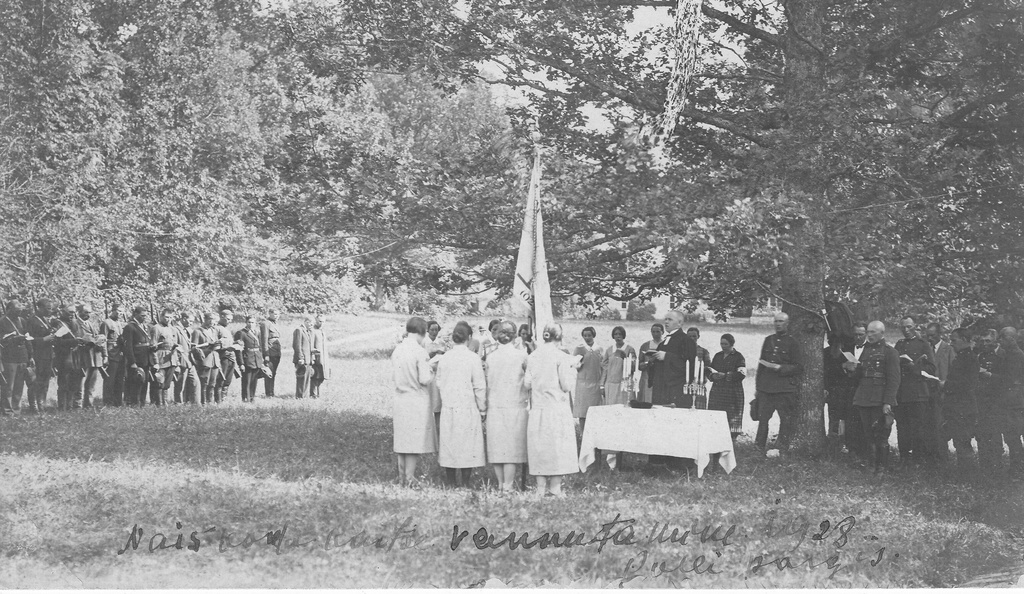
x,y
640,404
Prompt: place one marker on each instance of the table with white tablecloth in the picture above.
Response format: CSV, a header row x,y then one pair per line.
x,y
662,431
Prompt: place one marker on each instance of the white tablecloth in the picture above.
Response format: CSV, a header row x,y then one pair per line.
x,y
678,432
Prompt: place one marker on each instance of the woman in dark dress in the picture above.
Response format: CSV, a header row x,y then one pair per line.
x,y
727,390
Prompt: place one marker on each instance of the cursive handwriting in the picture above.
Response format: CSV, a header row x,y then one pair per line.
x,y
618,532
404,535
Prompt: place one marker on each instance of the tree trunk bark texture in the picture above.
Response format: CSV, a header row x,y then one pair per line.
x,y
802,265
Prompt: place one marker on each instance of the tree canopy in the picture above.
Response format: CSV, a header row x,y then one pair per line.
x,y
193,151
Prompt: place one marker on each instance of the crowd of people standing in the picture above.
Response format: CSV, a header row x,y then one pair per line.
x,y
499,400
172,359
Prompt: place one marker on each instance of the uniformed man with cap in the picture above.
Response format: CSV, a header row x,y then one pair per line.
x,y
878,377
778,383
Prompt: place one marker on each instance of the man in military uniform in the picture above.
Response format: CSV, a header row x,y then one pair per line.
x,y
915,432
113,384
226,351
778,383
166,357
988,431
878,377
41,327
187,386
270,343
302,357
319,357
137,348
1008,377
92,356
251,357
959,391
205,343
15,357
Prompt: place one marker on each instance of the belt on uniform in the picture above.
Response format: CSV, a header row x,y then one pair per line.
x,y
878,374
251,350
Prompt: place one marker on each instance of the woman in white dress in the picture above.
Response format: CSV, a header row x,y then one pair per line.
x,y
460,379
413,414
588,387
550,436
507,407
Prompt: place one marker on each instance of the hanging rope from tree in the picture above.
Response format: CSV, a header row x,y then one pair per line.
x,y
656,131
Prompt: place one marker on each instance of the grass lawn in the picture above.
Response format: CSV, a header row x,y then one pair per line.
x,y
319,477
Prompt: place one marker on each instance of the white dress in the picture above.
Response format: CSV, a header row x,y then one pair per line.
x,y
551,433
413,416
507,405
463,388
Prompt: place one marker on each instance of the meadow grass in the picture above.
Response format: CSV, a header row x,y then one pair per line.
x,y
73,486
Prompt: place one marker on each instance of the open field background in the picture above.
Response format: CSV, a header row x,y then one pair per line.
x,y
73,487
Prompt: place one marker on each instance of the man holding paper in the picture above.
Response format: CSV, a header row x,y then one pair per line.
x,y
778,383
877,373
916,434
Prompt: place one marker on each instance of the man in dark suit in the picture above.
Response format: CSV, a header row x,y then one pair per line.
x,y
67,360
668,372
778,383
1008,375
302,345
41,327
16,357
251,357
137,348
270,344
668,368
915,431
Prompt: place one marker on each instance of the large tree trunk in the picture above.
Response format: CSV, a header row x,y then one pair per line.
x,y
802,266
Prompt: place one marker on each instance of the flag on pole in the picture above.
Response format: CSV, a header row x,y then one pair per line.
x,y
531,292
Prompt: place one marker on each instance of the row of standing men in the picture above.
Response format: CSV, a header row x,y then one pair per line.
x,y
169,360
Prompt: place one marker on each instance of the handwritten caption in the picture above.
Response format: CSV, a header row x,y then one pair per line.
x,y
774,543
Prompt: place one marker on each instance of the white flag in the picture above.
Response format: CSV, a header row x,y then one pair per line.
x,y
531,292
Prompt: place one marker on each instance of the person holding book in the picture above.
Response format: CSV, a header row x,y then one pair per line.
x,y
916,435
644,364
727,371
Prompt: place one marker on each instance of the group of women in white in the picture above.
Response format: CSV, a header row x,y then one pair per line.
x,y
520,399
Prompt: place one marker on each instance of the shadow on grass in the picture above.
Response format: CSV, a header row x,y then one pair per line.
x,y
285,442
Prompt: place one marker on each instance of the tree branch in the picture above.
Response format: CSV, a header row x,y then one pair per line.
x,y
742,27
